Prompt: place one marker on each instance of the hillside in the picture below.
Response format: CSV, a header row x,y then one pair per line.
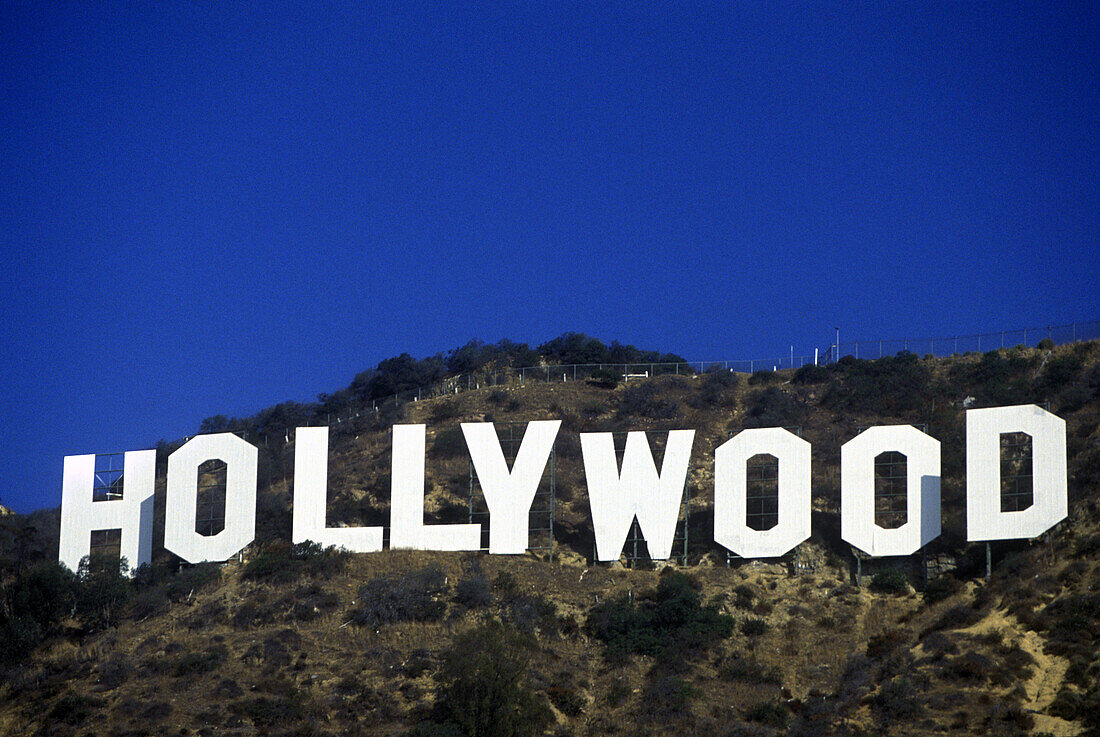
x,y
300,641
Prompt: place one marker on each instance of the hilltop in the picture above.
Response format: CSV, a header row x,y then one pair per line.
x,y
294,640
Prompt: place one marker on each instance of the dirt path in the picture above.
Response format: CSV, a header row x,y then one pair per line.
x,y
1045,681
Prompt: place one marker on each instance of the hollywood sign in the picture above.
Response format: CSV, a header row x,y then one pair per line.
x,y
617,495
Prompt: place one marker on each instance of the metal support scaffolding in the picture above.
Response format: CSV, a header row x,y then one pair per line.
x,y
762,500
540,530
636,550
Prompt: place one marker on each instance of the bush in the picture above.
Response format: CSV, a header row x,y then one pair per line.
x,y
411,597
647,400
474,590
764,377
715,390
193,664
103,591
889,385
772,713
670,617
282,562
32,606
483,685
75,709
44,594
890,581
668,696
449,443
753,627
751,671
617,693
564,696
774,407
941,588
744,596
885,643
896,701
957,617
271,711
811,374
435,729
113,672
605,378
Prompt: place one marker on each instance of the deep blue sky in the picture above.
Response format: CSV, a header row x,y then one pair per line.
x,y
207,208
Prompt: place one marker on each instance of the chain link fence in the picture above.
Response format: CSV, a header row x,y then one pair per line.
x,y
946,345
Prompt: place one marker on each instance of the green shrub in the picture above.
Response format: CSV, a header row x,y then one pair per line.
x,y
412,597
811,373
617,693
103,591
670,617
563,695
282,562
750,671
890,581
474,591
957,617
483,685
449,443
715,389
74,709
888,385
272,711
193,664
435,729
753,627
764,377
647,399
772,713
605,378
744,596
668,696
941,588
885,643
896,701
774,407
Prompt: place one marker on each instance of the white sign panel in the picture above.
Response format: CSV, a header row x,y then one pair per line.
x,y
311,498
984,518
240,458
922,482
509,494
639,491
133,513
407,528
730,491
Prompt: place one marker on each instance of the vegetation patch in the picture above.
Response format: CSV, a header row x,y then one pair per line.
x,y
412,597
672,616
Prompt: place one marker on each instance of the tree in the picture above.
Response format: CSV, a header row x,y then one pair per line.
x,y
483,685
104,590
